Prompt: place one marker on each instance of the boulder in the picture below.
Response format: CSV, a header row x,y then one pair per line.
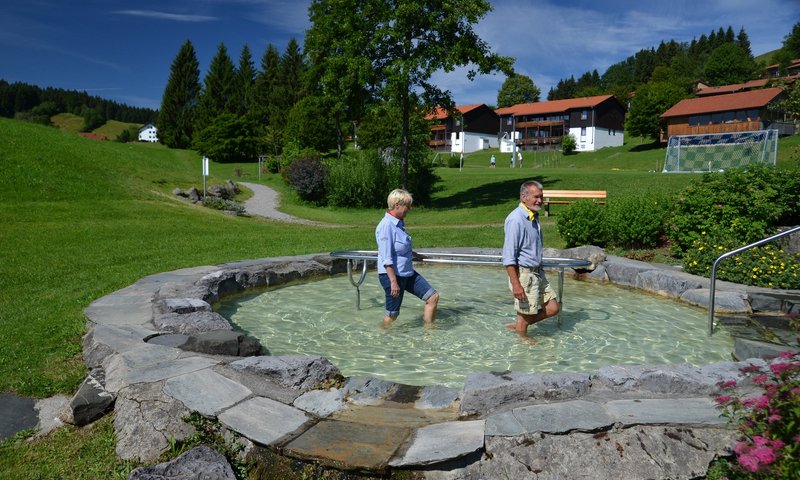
x,y
222,342
191,323
198,463
194,195
91,401
300,372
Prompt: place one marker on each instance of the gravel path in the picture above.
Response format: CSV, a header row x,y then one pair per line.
x,y
264,201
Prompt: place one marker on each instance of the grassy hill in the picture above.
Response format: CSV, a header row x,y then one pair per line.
x,y
67,122
113,128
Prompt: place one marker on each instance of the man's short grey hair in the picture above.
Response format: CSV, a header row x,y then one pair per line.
x,y
524,188
398,196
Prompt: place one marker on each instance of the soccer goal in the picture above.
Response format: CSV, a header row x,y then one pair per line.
x,y
714,152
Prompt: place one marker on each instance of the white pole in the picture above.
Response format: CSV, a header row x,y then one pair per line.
x,y
205,174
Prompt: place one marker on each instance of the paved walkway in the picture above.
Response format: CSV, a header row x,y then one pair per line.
x,y
263,204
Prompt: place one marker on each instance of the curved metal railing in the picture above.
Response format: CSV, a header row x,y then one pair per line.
x,y
712,289
355,256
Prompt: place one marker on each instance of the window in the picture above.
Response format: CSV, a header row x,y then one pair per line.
x,y
585,115
508,121
583,132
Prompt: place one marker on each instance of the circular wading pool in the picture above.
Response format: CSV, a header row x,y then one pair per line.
x,y
601,324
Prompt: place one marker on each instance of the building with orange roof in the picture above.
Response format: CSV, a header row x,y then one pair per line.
x,y
595,122
468,129
734,112
706,90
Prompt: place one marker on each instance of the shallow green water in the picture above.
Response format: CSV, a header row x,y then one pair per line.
x,y
601,325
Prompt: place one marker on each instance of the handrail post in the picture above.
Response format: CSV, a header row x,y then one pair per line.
x,y
712,287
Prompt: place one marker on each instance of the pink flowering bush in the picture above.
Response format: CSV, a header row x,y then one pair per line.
x,y
768,421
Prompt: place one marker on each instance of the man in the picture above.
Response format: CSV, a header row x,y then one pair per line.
x,y
534,298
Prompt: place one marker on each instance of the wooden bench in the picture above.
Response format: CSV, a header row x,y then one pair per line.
x,y
570,196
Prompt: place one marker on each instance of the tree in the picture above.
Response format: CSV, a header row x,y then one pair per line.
x,y
230,138
245,83
744,41
309,122
219,92
406,42
651,100
176,117
728,64
290,86
517,89
266,83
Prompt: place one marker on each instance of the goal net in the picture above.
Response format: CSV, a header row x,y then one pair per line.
x,y
715,152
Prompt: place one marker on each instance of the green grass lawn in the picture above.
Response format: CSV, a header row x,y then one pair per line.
x,y
82,218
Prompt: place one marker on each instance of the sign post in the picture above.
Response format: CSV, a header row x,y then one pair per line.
x,y
205,174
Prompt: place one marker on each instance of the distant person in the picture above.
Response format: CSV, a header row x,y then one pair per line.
x,y
534,298
395,254
492,162
519,158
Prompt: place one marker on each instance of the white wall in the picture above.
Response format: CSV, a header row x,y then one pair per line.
x,y
148,134
596,138
471,142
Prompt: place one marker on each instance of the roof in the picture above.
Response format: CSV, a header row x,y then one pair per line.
x,y
723,103
440,113
793,63
553,106
736,87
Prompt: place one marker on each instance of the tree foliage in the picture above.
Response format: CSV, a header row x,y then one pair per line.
x,y
230,138
177,114
404,42
651,100
729,64
219,90
517,89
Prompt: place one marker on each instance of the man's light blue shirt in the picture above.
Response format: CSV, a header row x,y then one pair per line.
x,y
523,240
394,246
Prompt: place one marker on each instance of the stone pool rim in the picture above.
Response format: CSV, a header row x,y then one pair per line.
x,y
120,322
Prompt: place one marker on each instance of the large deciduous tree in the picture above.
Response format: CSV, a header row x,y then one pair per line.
x,y
176,117
517,89
651,100
406,42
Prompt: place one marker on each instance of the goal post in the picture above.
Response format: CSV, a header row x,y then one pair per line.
x,y
713,152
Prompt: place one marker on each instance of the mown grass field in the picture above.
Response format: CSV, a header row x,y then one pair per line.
x,y
82,218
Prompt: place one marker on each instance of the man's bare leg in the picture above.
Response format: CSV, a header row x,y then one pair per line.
x,y
429,311
522,323
387,320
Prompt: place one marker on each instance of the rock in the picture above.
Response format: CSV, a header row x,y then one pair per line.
x,y
146,421
178,192
223,342
201,462
322,403
302,372
191,323
656,452
194,195
49,411
91,401
485,391
659,379
185,305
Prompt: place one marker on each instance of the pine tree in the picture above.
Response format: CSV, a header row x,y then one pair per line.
x,y
744,41
219,92
266,82
245,83
176,117
290,86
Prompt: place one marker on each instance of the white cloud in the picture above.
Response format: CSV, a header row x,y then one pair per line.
x,y
177,17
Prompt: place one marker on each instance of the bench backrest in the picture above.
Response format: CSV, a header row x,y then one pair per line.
x,y
574,194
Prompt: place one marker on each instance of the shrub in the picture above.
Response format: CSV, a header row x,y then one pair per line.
x,y
307,177
583,223
218,203
453,161
739,206
636,222
768,420
359,181
568,144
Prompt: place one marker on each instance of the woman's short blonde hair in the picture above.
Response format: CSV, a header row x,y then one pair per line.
x,y
398,196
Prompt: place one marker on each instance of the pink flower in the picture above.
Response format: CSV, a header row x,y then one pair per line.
x,y
774,418
749,462
787,354
760,441
760,379
762,401
750,369
723,399
764,455
778,444
728,384
741,447
780,368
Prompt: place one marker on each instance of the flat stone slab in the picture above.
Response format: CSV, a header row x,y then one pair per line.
x,y
441,442
16,414
169,369
217,393
265,421
682,411
562,417
357,445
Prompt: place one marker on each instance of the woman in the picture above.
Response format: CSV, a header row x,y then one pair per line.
x,y
395,254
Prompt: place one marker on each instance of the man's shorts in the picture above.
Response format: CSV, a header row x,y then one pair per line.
x,y
537,289
415,284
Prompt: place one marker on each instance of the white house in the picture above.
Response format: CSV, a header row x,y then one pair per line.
x,y
148,133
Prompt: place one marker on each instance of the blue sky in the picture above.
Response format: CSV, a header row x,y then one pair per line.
x,y
122,50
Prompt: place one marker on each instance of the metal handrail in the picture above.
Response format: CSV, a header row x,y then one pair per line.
x,y
712,290
456,258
